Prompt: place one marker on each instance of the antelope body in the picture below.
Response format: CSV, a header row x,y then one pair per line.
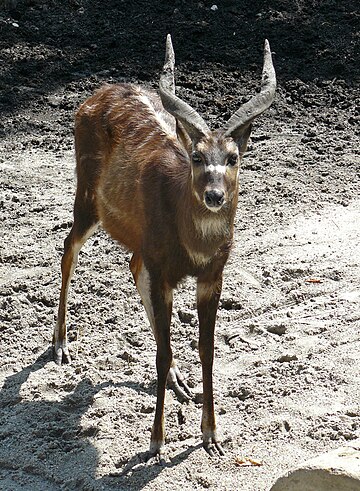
x,y
165,187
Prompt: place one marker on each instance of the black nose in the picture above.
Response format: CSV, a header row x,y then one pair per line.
x,y
214,198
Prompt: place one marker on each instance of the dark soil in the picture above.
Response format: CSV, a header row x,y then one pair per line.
x,y
288,334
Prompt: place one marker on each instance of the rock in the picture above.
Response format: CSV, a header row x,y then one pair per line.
x,y
277,328
186,316
337,470
287,357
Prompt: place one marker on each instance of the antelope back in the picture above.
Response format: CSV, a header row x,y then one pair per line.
x,y
120,132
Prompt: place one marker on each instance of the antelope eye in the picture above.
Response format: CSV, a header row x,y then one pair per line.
x,y
196,158
232,160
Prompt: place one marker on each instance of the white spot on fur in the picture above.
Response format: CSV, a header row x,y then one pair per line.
x,y
209,435
157,446
216,169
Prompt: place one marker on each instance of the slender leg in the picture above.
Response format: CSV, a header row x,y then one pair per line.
x,y
163,362
175,380
157,300
208,295
85,222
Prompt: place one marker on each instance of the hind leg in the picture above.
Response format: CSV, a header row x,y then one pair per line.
x,y
85,223
175,380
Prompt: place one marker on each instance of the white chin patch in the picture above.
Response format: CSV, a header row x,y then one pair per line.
x,y
215,209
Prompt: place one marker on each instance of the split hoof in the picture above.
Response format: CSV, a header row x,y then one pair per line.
x,y
155,455
176,382
213,448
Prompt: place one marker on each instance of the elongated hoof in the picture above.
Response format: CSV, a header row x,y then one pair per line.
x,y
176,382
214,449
212,446
156,454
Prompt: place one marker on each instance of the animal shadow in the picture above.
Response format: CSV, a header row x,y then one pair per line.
x,y
43,446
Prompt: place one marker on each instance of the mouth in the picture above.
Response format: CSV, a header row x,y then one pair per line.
x,y
213,207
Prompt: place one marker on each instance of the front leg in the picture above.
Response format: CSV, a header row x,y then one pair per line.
x,y
208,295
157,299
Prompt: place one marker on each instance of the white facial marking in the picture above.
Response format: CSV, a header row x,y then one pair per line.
x,y
197,196
216,169
214,209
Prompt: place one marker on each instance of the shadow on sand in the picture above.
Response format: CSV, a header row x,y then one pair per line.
x,y
43,444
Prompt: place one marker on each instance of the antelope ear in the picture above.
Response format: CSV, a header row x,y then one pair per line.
x,y
183,136
241,137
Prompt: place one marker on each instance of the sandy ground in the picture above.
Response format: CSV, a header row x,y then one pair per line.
x,y
288,332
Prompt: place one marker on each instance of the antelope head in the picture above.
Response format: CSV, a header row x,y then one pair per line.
x,y
215,155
